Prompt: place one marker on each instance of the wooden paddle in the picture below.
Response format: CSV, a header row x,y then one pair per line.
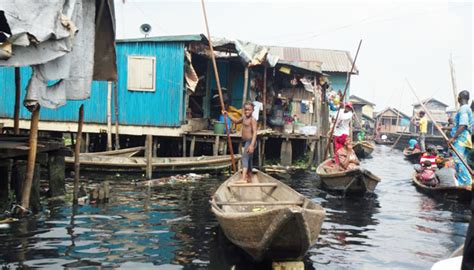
x,y
221,98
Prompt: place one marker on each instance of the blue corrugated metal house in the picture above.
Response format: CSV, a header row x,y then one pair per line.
x,y
151,91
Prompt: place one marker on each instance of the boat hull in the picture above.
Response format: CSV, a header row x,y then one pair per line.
x,y
357,181
452,193
363,149
280,233
412,157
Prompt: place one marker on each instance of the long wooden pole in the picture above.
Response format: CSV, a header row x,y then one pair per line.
x,y
246,84
16,114
117,139
342,100
453,82
221,98
30,165
77,151
109,116
439,129
265,97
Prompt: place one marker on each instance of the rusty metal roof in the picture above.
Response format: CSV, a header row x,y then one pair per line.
x,y
328,60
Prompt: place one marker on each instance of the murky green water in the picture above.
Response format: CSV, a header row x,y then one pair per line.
x,y
173,228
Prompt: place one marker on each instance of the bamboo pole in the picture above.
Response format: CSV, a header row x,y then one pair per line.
x,y
342,99
117,139
246,84
221,98
265,97
439,129
109,116
16,114
453,82
30,166
77,151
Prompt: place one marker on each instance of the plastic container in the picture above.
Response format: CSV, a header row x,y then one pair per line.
x,y
288,128
219,128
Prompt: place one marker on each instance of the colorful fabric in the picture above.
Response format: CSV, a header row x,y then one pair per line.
x,y
412,143
339,142
342,155
462,144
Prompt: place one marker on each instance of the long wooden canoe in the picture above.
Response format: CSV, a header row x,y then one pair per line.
x,y
383,142
92,162
267,218
412,157
457,193
363,149
356,181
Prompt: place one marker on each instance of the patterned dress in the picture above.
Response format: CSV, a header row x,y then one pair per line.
x,y
463,143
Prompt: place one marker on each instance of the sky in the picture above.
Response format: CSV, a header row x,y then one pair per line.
x,y
401,40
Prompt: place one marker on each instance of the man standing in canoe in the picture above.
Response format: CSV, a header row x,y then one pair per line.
x,y
423,126
249,137
461,138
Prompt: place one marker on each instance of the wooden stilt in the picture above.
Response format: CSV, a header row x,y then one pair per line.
x,y
286,153
77,150
149,156
191,148
5,168
265,97
264,140
216,146
155,147
109,116
16,114
30,166
117,138
56,172
246,83
87,143
260,159
184,145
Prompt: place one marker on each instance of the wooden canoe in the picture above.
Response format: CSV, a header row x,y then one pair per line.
x,y
356,181
412,157
112,163
456,193
383,142
266,218
363,149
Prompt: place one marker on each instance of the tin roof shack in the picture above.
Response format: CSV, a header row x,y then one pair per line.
x,y
437,109
364,110
392,120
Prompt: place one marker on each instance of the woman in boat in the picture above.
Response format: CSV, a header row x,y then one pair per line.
x,y
346,156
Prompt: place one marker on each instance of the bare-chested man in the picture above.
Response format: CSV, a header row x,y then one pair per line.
x,y
249,136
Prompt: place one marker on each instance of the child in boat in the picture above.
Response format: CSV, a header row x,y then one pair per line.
x,y
249,137
346,157
431,155
427,174
414,146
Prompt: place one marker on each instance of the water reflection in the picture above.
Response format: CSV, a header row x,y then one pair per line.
x,y
172,227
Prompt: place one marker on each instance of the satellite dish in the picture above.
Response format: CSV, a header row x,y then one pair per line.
x,y
145,29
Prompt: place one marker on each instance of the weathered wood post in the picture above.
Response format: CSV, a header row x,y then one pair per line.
x,y
246,83
16,114
109,116
149,156
77,150
56,171
117,138
30,166
5,168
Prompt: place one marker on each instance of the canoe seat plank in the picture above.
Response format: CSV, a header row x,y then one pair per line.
x,y
254,185
262,203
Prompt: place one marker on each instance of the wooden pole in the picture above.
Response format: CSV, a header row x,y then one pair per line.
x,y
246,84
30,166
109,116
77,152
342,99
453,82
117,139
221,98
149,156
439,129
16,114
265,98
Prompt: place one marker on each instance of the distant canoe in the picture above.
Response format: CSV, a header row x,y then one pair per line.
x,y
267,218
383,142
363,149
412,157
94,162
457,193
357,181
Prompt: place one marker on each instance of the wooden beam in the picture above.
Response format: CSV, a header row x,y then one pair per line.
x,y
16,114
109,116
253,185
246,83
149,156
77,150
191,148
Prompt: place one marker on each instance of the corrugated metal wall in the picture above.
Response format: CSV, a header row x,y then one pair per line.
x,y
163,107
95,107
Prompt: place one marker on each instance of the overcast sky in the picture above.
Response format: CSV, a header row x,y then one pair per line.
x,y
400,39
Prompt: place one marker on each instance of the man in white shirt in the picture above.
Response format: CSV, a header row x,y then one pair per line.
x,y
342,129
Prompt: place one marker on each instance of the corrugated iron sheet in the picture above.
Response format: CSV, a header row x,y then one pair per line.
x,y
326,60
177,38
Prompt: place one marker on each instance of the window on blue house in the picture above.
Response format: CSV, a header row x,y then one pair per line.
x,y
141,73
